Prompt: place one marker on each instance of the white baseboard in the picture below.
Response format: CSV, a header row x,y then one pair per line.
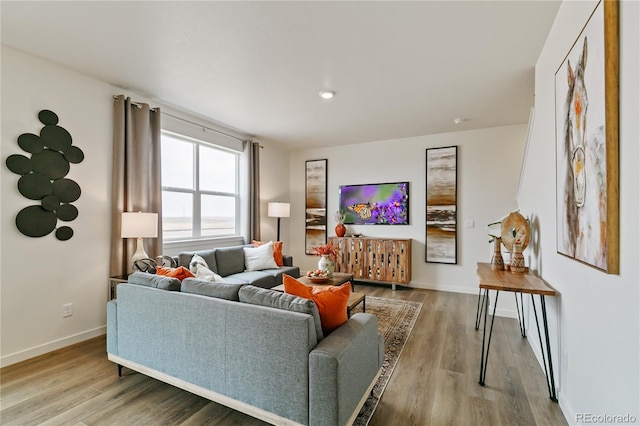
x,y
51,346
569,415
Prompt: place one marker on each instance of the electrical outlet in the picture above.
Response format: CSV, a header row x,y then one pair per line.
x,y
67,310
469,224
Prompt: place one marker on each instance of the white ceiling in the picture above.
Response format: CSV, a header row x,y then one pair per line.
x,y
400,69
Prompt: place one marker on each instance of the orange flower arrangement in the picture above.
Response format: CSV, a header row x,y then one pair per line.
x,y
326,250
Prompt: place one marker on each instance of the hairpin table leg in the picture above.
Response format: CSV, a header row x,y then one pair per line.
x,y
484,358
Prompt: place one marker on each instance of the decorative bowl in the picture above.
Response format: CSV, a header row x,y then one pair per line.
x,y
318,280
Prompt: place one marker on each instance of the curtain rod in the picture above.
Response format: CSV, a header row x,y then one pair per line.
x,y
139,105
200,125
186,121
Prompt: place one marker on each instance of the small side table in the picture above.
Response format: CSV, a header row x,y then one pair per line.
x,y
354,299
113,283
526,283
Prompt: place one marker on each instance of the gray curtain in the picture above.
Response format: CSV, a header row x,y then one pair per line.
x,y
136,181
253,149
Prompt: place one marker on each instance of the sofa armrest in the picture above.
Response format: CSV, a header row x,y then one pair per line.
x,y
287,260
112,327
341,369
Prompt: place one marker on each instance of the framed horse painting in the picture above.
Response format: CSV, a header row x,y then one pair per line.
x,y
586,93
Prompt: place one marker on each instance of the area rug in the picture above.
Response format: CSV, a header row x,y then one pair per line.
x,y
395,322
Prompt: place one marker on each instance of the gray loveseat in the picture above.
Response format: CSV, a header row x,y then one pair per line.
x,y
255,350
228,262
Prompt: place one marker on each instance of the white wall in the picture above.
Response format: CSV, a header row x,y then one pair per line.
x,y
594,322
274,187
39,275
489,163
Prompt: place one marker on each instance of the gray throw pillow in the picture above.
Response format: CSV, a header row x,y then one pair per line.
x,y
230,260
288,302
212,289
156,281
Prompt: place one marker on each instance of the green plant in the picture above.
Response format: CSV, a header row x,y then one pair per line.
x,y
496,233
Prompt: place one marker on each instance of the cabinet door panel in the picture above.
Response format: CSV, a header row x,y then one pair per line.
x,y
357,257
399,261
375,265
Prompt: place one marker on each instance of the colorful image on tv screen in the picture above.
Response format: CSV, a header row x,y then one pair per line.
x,y
379,203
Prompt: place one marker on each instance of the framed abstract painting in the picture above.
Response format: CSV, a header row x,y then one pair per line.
x,y
441,227
315,204
587,180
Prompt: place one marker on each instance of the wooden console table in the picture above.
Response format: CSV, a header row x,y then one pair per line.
x,y
526,283
375,259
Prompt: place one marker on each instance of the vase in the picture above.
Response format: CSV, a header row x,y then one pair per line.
x,y
517,259
326,264
341,230
497,263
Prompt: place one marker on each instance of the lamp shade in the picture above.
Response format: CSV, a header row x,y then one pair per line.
x,y
139,225
279,209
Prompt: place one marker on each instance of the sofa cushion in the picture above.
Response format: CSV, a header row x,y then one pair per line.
x,y
275,299
256,278
258,258
277,250
277,273
155,281
184,258
331,301
229,260
233,279
180,272
212,289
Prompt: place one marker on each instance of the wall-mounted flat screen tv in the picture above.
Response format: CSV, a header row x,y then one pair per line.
x,y
375,204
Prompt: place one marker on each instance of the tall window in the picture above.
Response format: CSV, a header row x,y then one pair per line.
x,y
200,191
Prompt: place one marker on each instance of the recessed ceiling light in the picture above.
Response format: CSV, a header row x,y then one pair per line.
x,y
459,120
327,94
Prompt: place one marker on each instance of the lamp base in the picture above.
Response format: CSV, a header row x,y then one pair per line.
x,y
140,253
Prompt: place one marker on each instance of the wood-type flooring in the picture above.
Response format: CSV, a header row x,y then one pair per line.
x,y
434,383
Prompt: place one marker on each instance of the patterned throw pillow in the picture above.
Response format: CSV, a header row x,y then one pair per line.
x,y
201,269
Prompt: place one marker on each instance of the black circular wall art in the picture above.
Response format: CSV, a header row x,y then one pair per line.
x,y
42,177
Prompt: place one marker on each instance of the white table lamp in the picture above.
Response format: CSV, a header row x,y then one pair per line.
x,y
278,210
139,225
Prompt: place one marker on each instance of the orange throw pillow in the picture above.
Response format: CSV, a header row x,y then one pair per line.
x,y
180,272
277,250
331,301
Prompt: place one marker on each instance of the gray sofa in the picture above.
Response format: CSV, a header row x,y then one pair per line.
x,y
228,262
255,350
